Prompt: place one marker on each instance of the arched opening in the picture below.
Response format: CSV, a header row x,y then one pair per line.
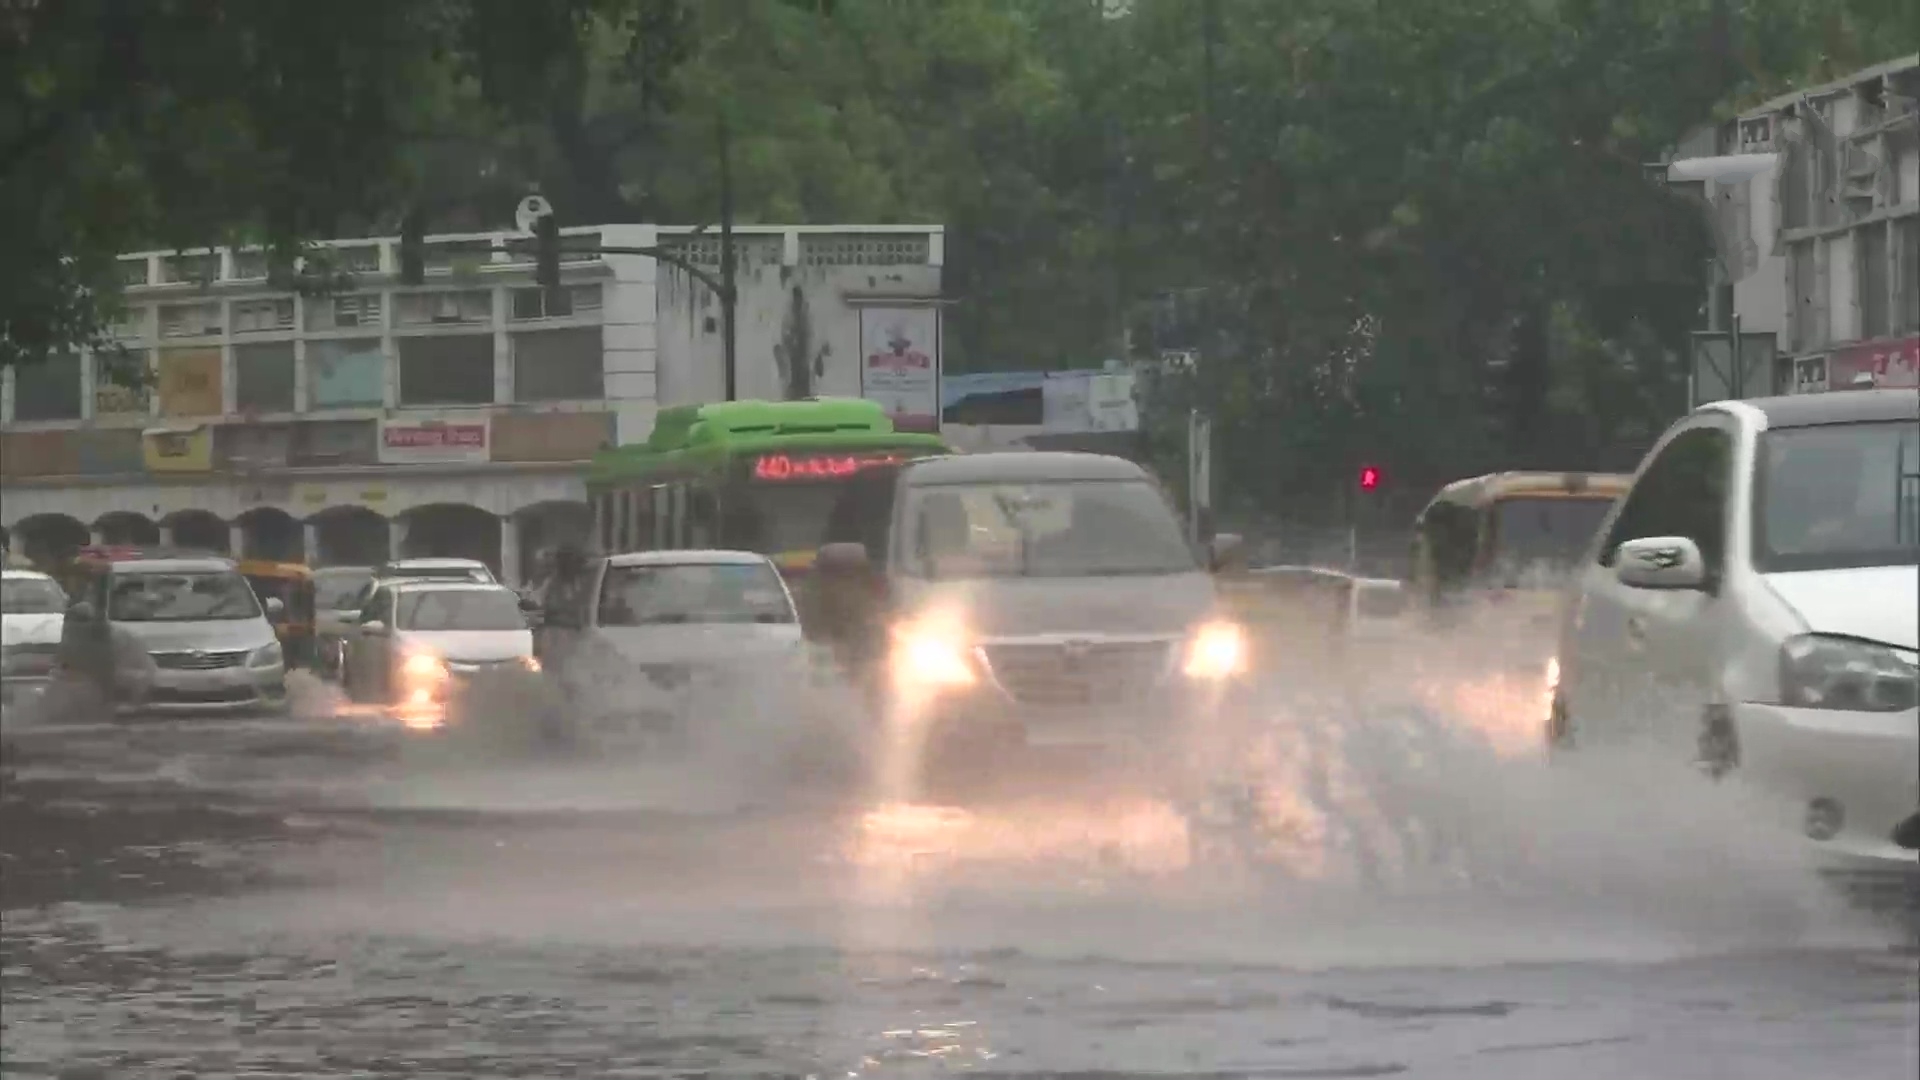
x,y
543,527
47,540
270,533
349,536
199,529
126,527
452,530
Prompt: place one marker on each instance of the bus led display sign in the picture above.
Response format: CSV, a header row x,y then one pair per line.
x,y
818,466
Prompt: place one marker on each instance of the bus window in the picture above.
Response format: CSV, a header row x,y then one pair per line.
x,y
701,518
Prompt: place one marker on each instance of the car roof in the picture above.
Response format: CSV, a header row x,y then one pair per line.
x,y
694,556
1021,466
171,566
448,561
444,585
23,574
341,570
1836,407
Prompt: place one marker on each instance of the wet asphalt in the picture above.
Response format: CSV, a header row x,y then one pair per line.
x,y
332,896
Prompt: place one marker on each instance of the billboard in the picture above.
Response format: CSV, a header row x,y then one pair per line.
x,y
434,441
900,364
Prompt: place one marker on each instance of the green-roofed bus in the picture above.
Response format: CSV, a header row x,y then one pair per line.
x,y
751,475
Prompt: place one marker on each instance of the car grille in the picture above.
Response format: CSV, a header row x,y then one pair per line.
x,y
482,667
1082,673
201,660
215,695
668,676
28,660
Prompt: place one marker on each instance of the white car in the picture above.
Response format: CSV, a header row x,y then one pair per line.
x,y
685,622
416,643
32,610
1751,603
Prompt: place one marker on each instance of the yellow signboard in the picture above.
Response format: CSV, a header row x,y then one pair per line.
x,y
190,382
178,449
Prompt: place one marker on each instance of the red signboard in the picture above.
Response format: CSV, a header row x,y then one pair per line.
x,y
781,467
1886,363
447,435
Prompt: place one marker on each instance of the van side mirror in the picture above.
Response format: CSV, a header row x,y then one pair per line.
x,y
1226,551
275,608
80,611
1671,563
842,559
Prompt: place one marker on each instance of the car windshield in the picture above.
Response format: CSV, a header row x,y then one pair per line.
x,y
437,573
660,594
1838,496
336,590
1535,538
31,596
1077,528
460,609
181,597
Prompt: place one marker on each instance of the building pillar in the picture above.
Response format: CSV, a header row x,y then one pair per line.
x,y
236,540
96,535
309,542
396,536
166,533
510,550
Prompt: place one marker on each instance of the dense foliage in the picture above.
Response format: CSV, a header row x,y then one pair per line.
x,y
1417,233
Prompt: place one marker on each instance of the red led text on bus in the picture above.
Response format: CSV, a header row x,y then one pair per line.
x,y
817,466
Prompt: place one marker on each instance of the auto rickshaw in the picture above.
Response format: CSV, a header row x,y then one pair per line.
x,y
292,584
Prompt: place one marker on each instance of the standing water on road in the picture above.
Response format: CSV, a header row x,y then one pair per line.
x,y
1384,890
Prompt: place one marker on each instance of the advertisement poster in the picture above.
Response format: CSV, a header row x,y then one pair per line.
x,y
900,364
431,441
189,382
181,449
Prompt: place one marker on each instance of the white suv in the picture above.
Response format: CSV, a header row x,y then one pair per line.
x,y
1752,603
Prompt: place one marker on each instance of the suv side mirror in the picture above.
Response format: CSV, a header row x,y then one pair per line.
x,y
1661,562
275,608
842,559
374,628
80,611
1226,551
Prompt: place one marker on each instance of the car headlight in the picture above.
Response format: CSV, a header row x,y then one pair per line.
x,y
924,656
1217,650
268,655
531,663
1822,672
423,667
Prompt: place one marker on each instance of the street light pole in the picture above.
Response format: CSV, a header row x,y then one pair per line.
x,y
727,290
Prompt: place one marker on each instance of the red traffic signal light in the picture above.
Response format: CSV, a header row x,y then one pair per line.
x,y
1369,477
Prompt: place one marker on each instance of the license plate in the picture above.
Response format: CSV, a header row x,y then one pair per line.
x,y
1079,731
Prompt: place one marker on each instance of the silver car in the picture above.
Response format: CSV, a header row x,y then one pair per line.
x,y
177,634
32,609
417,644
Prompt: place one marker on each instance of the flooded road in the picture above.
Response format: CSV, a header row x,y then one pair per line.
x,y
323,898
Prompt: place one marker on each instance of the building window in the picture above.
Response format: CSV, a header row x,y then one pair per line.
x,y
48,390
263,377
262,316
347,374
360,311
453,370
531,304
1870,248
474,306
120,382
558,365
190,320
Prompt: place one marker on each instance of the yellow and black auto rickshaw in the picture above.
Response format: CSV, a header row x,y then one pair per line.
x,y
292,584
1508,538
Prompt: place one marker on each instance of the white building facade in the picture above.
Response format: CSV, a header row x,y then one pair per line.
x,y
1815,202
454,417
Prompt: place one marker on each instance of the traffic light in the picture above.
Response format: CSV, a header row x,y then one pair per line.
x,y
1369,477
413,248
546,255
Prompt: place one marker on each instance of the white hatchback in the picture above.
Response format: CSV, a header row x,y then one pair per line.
x,y
1752,603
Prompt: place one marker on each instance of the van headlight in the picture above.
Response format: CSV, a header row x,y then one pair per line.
x,y
423,668
929,656
1217,650
1822,672
530,662
268,655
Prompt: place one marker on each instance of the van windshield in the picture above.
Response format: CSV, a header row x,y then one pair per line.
x,y
1077,528
181,597
31,596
